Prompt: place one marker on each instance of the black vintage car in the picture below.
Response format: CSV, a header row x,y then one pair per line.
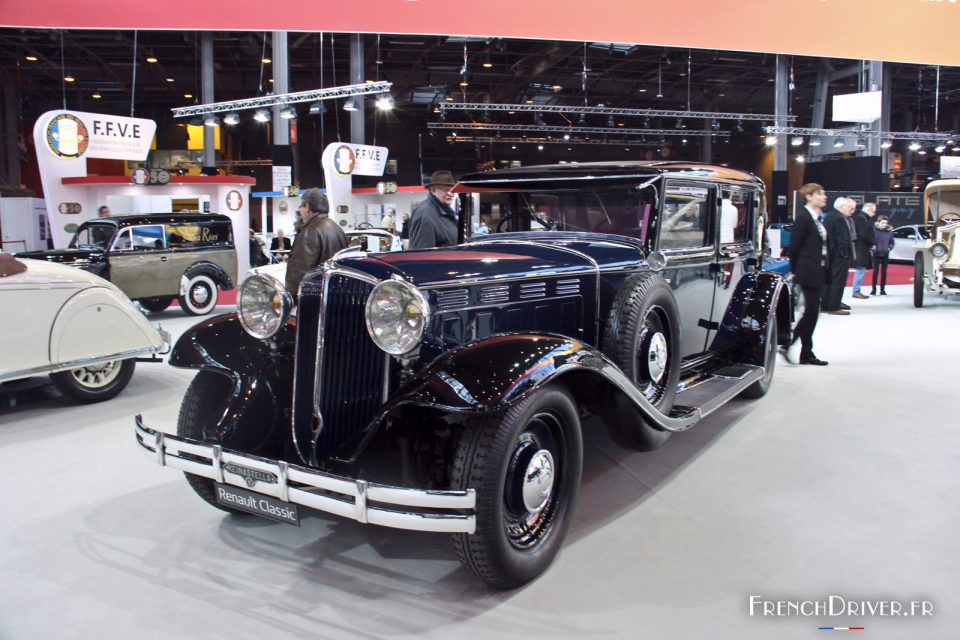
x,y
444,389
156,258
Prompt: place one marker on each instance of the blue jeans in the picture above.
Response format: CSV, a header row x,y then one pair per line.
x,y
858,274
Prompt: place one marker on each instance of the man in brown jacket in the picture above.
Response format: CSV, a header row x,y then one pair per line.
x,y
319,238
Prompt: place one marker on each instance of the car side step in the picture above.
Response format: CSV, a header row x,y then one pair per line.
x,y
711,394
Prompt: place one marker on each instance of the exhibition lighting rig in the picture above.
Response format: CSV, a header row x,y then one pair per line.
x,y
542,141
611,111
569,130
851,132
279,99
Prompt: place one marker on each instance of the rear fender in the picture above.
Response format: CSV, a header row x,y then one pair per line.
x,y
212,269
256,413
756,299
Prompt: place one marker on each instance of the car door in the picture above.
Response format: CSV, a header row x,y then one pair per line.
x,y
736,229
139,262
690,250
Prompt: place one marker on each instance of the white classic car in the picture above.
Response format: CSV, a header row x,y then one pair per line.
x,y
76,326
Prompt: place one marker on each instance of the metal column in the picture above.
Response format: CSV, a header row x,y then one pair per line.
x,y
706,146
209,162
10,172
281,73
357,118
781,181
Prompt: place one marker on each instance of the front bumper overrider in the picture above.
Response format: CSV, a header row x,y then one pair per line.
x,y
397,507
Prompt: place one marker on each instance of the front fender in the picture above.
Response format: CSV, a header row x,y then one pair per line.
x,y
497,372
257,409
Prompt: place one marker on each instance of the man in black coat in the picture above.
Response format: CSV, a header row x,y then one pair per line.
x,y
434,222
319,238
840,239
865,241
808,262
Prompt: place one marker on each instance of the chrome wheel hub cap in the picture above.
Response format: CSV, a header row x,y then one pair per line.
x,y
538,480
200,294
657,356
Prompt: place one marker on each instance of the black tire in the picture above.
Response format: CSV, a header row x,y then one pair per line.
x,y
918,269
201,406
156,305
95,383
516,540
796,297
767,356
642,337
201,296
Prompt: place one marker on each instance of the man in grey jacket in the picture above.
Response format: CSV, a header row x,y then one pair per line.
x,y
319,238
434,222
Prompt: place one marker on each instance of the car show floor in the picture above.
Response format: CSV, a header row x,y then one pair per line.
x,y
841,482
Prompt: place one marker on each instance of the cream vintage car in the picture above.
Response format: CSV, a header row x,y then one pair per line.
x,y
73,325
936,265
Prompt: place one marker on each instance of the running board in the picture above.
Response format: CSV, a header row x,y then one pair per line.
x,y
714,392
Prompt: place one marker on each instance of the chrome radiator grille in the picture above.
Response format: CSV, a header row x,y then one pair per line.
x,y
348,372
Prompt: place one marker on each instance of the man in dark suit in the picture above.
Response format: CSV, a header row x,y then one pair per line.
x,y
840,239
280,242
808,262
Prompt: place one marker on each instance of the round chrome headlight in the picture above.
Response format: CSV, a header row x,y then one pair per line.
x,y
939,250
263,306
397,314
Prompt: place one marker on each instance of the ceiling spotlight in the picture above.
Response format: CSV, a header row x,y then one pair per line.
x,y
582,120
262,115
513,146
188,95
96,95
288,113
715,125
69,78
683,141
538,119
922,152
800,159
886,144
678,124
350,105
940,148
915,146
815,142
659,95
739,126
556,87
266,60
316,108
169,79
838,143
641,90
211,120
796,141
231,118
464,83
539,147
31,58
385,102
950,142
646,122
151,59
449,98
611,122
487,63
770,140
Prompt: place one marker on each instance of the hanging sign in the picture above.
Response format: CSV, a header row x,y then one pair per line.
x,y
282,177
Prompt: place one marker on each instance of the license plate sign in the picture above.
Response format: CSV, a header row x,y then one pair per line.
x,y
257,504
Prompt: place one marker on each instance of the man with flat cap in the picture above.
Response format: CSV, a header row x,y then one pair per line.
x,y
434,222
319,238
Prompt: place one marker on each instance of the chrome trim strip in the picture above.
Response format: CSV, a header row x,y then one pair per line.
x,y
74,364
676,175
446,511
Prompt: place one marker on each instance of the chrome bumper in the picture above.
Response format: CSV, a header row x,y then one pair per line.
x,y
414,509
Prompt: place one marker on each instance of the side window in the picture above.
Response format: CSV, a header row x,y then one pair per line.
x,y
684,218
903,233
147,237
736,208
122,242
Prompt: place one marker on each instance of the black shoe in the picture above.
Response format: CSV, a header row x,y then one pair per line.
x,y
883,293
873,292
785,352
812,359
844,306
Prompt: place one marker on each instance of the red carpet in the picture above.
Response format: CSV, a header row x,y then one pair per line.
x,y
896,274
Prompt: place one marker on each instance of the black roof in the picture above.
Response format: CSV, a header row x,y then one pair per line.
x,y
527,177
160,218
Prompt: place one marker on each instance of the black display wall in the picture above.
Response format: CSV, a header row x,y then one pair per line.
x,y
855,174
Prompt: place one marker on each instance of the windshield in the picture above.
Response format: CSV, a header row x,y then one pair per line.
x,y
93,236
622,210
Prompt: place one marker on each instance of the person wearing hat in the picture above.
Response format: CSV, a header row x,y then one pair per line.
x,y
319,238
434,222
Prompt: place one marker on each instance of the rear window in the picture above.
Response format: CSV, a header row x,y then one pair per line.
x,y
192,235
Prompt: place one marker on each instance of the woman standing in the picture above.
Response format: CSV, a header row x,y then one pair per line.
x,y
881,254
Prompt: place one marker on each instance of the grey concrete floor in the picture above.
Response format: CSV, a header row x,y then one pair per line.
x,y
842,481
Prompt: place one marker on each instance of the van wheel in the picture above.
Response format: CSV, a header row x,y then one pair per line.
x,y
918,281
156,305
200,409
642,338
201,295
525,467
95,383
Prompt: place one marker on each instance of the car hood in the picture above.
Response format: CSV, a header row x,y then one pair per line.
x,y
47,273
64,256
465,264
